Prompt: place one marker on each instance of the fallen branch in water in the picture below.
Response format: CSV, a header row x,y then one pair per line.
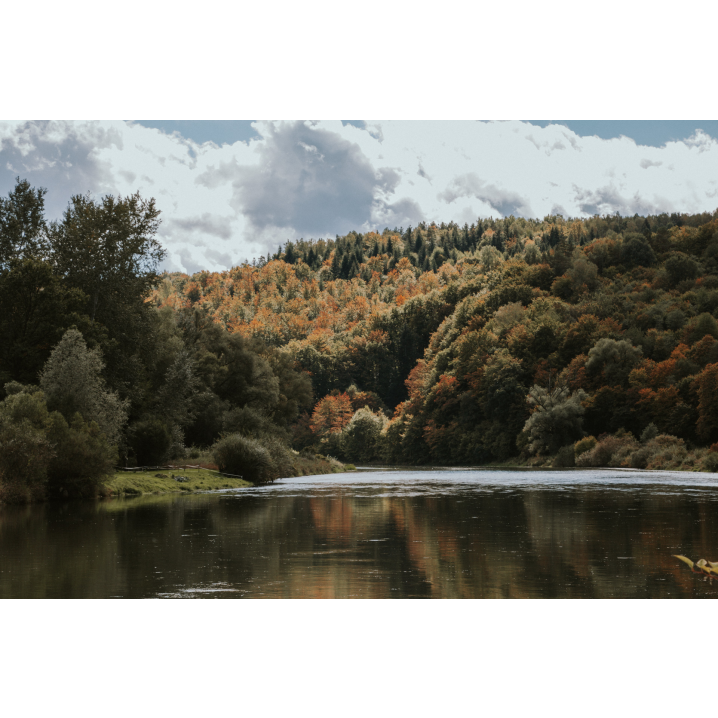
x,y
705,568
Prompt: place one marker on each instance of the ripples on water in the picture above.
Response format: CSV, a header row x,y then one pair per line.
x,y
382,533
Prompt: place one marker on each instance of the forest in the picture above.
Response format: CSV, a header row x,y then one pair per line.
x,y
555,342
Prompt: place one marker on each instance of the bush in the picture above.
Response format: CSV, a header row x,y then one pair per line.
x,y
710,462
41,453
565,458
245,457
25,454
83,456
609,451
665,452
639,459
649,433
281,456
150,440
584,445
25,451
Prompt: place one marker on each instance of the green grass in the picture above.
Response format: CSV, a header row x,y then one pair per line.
x,y
136,483
147,482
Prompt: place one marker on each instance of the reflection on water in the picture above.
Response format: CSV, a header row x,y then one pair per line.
x,y
379,534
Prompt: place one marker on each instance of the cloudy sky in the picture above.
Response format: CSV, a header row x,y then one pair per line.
x,y
230,191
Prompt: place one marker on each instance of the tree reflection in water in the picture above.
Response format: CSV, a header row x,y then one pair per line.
x,y
374,539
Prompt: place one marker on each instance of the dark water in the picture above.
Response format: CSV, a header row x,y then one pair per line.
x,y
381,534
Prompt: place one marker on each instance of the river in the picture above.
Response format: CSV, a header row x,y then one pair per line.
x,y
377,534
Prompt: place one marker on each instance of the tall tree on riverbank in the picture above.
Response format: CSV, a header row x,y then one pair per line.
x,y
72,382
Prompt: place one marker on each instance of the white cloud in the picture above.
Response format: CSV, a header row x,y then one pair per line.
x,y
223,204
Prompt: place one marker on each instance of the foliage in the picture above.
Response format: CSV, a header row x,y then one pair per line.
x,y
25,450
466,344
556,420
42,455
584,445
362,436
245,457
83,456
150,441
72,382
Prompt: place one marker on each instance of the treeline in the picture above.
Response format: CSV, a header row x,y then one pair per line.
x,y
428,247
502,339
93,375
557,340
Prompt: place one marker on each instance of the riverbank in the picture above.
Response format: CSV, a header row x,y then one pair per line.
x,y
166,482
185,480
658,455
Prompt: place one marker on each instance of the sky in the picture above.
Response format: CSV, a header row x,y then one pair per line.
x,y
235,190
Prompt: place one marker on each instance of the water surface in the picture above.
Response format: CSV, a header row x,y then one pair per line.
x,y
377,534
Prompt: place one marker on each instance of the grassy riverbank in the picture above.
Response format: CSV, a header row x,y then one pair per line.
x,y
135,483
161,482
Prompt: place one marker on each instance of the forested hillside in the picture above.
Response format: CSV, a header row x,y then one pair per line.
x,y
476,344
548,341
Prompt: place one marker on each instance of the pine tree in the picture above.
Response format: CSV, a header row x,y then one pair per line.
x,y
336,264
346,265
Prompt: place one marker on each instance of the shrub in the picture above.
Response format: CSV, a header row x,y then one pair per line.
x,y
565,458
584,445
649,433
25,454
150,441
83,456
25,451
609,451
710,462
639,459
666,452
41,453
245,457
281,456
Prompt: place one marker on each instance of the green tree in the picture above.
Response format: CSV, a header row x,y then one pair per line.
x,y
556,420
22,224
362,435
25,451
108,250
72,381
613,359
36,308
